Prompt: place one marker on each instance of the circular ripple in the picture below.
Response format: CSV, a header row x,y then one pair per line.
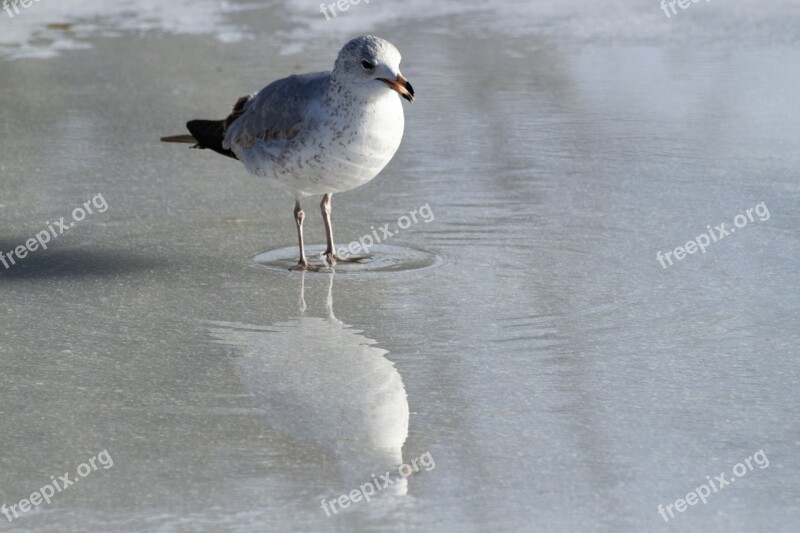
x,y
381,258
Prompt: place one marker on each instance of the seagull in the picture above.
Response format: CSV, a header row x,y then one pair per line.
x,y
319,133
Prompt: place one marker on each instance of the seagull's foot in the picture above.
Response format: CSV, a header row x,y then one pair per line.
x,y
304,266
330,259
358,259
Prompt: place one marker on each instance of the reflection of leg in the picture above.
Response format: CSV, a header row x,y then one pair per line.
x,y
302,302
299,215
330,251
329,299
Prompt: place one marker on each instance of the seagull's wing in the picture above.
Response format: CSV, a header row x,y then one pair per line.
x,y
278,111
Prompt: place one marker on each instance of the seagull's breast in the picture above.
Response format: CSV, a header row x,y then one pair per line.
x,y
342,144
358,140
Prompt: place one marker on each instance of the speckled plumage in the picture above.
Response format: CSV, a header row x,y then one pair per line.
x,y
318,133
325,132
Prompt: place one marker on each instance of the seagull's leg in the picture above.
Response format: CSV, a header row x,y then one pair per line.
x,y
330,251
299,215
331,257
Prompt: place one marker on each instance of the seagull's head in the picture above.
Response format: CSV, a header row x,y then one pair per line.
x,y
369,62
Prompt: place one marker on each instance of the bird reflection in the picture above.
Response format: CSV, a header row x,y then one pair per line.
x,y
323,383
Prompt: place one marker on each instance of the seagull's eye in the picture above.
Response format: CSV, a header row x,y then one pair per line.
x,y
367,65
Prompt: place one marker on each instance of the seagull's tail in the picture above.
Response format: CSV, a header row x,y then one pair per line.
x,y
204,134
209,134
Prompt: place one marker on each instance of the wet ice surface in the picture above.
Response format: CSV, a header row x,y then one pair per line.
x,y
561,379
381,259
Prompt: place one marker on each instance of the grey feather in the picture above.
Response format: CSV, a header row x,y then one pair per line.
x,y
280,107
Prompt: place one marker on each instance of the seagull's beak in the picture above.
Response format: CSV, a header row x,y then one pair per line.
x,y
402,87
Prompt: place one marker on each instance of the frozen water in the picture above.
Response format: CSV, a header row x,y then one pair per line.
x,y
561,378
